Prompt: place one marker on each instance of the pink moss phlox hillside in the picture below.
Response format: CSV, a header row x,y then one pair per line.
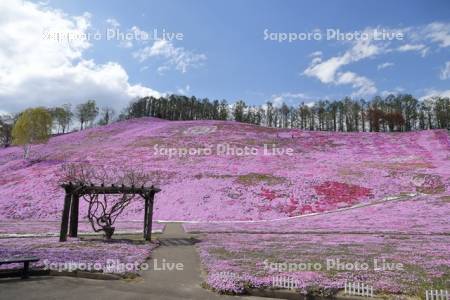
x,y
327,170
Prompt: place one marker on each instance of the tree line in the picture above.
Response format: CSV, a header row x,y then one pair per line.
x,y
177,107
36,125
61,118
400,112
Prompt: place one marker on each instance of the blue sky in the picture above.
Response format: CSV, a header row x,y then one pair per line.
x,y
224,55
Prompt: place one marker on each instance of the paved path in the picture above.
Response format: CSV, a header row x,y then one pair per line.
x,y
157,285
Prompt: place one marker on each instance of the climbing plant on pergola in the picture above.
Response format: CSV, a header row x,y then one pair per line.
x,y
69,220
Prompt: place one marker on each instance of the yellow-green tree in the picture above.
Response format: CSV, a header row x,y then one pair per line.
x,y
32,127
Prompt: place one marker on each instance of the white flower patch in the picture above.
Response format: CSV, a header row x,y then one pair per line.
x,y
200,130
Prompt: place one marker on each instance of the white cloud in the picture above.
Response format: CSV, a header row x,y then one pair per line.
x,y
288,98
126,44
414,47
385,65
423,38
411,47
419,39
277,101
396,91
324,70
435,93
176,57
113,22
36,69
445,71
162,69
327,71
185,90
316,53
141,37
362,85
438,33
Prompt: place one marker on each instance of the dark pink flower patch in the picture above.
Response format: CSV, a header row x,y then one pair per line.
x,y
306,209
268,194
338,194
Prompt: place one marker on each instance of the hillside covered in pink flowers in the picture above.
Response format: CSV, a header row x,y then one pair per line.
x,y
308,172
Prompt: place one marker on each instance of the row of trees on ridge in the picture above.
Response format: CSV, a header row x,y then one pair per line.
x,y
400,112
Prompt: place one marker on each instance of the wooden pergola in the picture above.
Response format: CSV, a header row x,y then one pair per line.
x,y
69,221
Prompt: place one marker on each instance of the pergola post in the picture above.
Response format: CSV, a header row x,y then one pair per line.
x,y
65,216
73,229
148,215
145,215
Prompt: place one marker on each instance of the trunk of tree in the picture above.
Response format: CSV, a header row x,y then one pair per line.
x,y
26,151
109,231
